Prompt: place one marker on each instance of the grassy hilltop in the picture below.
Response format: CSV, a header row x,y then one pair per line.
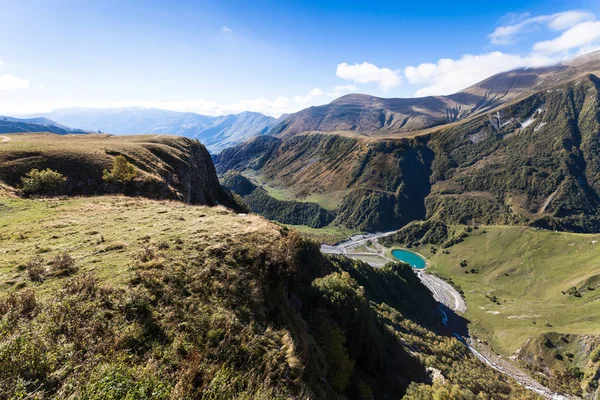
x,y
167,167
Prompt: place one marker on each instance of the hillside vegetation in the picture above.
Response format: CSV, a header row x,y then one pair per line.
x,y
286,212
132,298
166,167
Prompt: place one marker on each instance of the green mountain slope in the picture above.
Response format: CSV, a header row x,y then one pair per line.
x,y
133,298
532,294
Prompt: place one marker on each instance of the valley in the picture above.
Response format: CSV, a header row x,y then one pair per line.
x,y
484,336
509,199
226,200
530,160
526,290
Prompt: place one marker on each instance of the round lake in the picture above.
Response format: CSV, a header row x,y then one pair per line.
x,y
412,259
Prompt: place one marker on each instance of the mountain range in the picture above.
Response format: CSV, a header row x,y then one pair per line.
x,y
113,296
215,133
520,147
39,124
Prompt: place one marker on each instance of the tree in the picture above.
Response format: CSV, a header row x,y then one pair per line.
x,y
332,341
42,182
122,171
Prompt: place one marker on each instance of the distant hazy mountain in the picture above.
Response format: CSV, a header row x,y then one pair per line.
x,y
214,132
17,125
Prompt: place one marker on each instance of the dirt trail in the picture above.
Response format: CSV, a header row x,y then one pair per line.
x,y
4,139
547,202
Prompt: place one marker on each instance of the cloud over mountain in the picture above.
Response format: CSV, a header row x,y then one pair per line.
x,y
369,73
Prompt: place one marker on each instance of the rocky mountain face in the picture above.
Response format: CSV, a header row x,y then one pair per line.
x,y
532,161
214,132
16,125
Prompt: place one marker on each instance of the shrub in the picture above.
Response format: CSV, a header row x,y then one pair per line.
x,y
146,254
42,182
122,171
36,270
63,264
21,303
595,355
339,365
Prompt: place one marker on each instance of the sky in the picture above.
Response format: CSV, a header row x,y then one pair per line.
x,y
274,57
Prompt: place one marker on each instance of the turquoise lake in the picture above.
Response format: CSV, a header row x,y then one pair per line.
x,y
412,259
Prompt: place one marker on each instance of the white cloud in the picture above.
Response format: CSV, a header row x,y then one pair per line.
x,y
11,82
449,76
226,29
308,99
583,34
579,33
341,90
369,73
423,73
557,22
567,19
273,107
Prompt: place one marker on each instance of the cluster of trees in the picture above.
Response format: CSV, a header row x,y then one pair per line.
x,y
284,211
419,233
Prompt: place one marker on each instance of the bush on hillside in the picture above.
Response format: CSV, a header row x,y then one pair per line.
x,y
63,264
46,182
122,171
36,270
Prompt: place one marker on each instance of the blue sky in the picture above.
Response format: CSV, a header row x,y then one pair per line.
x,y
270,56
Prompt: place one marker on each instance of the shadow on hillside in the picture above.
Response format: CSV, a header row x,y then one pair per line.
x,y
455,324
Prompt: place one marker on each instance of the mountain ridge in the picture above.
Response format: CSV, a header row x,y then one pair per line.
x,y
376,116
38,124
216,132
